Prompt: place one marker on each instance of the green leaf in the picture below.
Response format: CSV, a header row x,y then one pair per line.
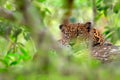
x,y
98,16
23,51
8,6
14,63
98,1
116,8
100,8
47,10
3,62
26,36
17,32
25,55
41,0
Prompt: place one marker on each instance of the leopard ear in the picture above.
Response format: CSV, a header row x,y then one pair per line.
x,y
60,26
88,25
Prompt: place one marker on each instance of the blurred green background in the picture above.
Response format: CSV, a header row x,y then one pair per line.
x,y
17,47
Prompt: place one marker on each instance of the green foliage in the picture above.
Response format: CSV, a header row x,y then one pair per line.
x,y
109,10
116,7
41,0
15,52
17,47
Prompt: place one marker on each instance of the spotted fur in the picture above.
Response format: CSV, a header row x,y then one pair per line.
x,y
83,31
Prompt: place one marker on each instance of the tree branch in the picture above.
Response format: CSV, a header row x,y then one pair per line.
x,y
6,14
69,7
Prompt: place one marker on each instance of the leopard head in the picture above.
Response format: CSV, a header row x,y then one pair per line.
x,y
68,30
74,30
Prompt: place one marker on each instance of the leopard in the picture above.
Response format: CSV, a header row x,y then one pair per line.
x,y
83,31
99,48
